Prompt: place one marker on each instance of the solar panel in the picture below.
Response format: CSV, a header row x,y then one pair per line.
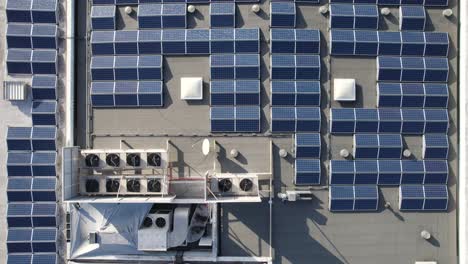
x,y
341,198
44,215
413,95
222,15
412,18
43,164
437,95
247,40
366,43
342,16
366,198
19,11
283,93
390,120
44,62
283,119
413,43
411,197
19,36
366,146
413,69
366,17
343,120
102,68
102,42
247,66
198,41
390,43
222,92
367,120
149,41
247,92
437,121
308,119
413,121
342,42
308,145
44,11
436,197
308,67
390,146
43,240
282,40
103,17
283,14
389,95
389,69
307,41
19,61
126,42
341,172
149,16
222,40
366,172
19,258
43,138
307,172
125,94
44,258
19,190
437,69
283,67
150,67
222,119
102,94
150,93
19,215
412,172
43,113
19,164
247,119
19,240
437,43
222,66
435,146
389,172
19,138
44,87
437,172
174,16
125,68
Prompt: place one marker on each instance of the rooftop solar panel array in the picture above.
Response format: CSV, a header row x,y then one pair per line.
x,y
308,145
32,11
235,66
374,43
127,94
26,61
388,120
353,198
295,93
415,95
295,67
412,69
223,14
295,119
240,119
348,16
307,171
412,18
235,92
155,16
377,146
439,3
126,68
423,197
299,41
125,2
283,14
385,172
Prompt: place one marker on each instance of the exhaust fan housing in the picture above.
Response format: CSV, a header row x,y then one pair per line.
x,y
134,159
133,185
92,160
92,186
113,160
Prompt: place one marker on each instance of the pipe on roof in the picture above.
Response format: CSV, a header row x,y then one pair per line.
x,y
70,73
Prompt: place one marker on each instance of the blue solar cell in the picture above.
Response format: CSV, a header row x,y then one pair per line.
x,y
283,93
222,40
308,93
222,92
437,121
102,42
150,93
342,42
103,17
149,41
435,146
283,119
222,15
247,92
437,69
343,120
174,16
44,87
283,14
437,44
125,94
44,62
282,40
414,43
436,197
307,171
366,146
367,120
366,17
150,16
390,120
411,197
44,11
413,121
308,119
44,259
43,113
341,172
222,119
437,95
19,138
412,172
43,138
247,66
44,36
366,198
19,11
389,172
43,163
307,41
19,61
436,2
308,67
389,69
283,67
102,68
126,42
247,119
342,16
125,68
19,215
390,43
366,172
198,41
390,146
413,95
412,69
247,40
366,43
437,172
308,146
19,240
19,164
19,36
341,198
102,94
389,95
412,18
222,66
173,41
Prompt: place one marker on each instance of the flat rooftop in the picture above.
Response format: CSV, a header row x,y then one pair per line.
x,y
300,231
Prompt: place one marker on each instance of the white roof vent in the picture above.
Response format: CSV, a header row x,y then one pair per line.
x,y
191,88
344,90
14,91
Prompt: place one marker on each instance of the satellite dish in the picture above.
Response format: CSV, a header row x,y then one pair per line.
x,y
206,147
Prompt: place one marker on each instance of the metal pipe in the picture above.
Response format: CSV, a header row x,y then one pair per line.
x,y
70,73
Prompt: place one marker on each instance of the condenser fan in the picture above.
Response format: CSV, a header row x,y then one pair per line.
x,y
92,186
112,185
154,186
113,160
225,185
154,159
246,185
133,186
92,160
133,159
160,222
148,222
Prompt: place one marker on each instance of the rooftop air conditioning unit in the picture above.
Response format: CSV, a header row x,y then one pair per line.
x,y
115,159
134,159
155,158
113,184
91,185
155,185
234,184
93,159
133,184
154,231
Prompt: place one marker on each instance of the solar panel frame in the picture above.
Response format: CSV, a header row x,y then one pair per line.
x,y
390,43
307,145
389,94
341,198
437,172
366,198
435,146
437,121
411,197
307,172
282,14
389,172
341,172
367,120
412,18
343,121
19,36
342,42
